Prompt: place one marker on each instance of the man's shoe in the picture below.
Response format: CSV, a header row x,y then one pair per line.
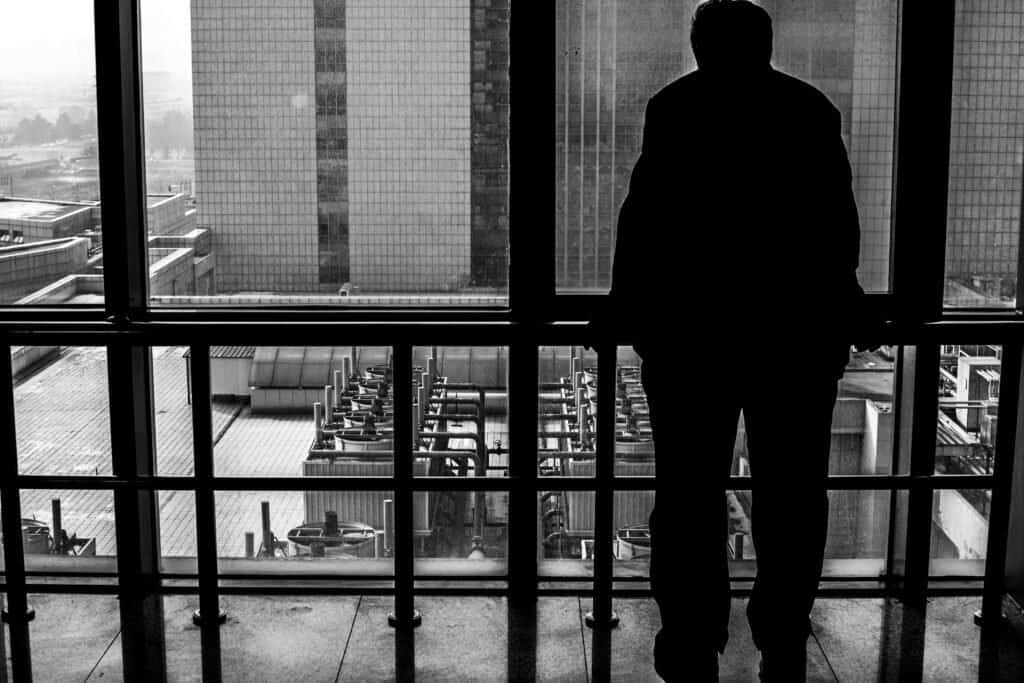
x,y
677,660
784,664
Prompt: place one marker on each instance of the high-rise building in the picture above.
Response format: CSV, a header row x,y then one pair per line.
x,y
360,141
984,209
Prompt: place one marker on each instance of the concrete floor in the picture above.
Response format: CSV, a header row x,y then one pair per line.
x,y
77,638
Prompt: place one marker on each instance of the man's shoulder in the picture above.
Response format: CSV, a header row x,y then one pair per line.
x,y
801,92
681,88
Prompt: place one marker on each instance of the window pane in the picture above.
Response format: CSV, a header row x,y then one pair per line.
x,y
462,426
327,152
172,411
285,530
68,530
567,405
454,623
277,411
72,634
984,221
613,55
177,531
968,417
61,410
959,531
50,250
278,638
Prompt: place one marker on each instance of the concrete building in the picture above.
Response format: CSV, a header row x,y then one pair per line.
x,y
375,145
36,220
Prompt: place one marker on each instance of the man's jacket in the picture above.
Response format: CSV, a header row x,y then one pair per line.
x,y
740,224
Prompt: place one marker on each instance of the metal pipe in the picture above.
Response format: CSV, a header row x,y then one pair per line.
x,y
328,403
58,527
268,535
340,385
318,421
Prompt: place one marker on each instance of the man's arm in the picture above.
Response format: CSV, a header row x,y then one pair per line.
x,y
634,216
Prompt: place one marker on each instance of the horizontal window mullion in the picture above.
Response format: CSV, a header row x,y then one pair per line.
x,y
850,482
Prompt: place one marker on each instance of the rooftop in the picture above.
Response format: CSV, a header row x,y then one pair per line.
x,y
27,209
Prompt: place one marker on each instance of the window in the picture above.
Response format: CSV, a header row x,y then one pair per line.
x,y
238,419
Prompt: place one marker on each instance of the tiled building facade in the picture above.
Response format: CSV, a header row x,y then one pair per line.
x,y
255,138
985,155
396,127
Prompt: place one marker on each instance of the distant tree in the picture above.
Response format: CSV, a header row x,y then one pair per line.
x,y
172,132
33,131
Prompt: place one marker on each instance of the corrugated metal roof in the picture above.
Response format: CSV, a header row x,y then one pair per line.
x,y
227,352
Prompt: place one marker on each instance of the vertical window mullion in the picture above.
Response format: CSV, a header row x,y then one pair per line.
x,y
405,618
136,514
1010,425
206,520
923,121
602,619
16,611
523,510
121,162
532,177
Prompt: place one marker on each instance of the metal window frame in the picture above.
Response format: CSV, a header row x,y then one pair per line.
x,y
127,326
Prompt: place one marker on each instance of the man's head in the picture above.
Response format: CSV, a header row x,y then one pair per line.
x,y
731,35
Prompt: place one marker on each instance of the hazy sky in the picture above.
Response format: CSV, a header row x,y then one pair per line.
x,y
53,39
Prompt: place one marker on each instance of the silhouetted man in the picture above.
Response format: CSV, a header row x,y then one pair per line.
x,y
736,254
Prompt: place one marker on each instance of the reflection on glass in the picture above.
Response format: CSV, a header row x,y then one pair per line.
x,y
49,161
61,410
965,434
381,177
612,58
285,530
984,207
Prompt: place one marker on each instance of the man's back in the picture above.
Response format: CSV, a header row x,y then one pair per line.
x,y
740,206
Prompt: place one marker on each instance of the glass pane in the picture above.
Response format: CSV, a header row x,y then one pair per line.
x,y
172,411
460,407
181,645
459,532
370,649
286,530
71,634
454,623
278,638
862,419
50,251
177,531
289,411
612,57
566,532
567,405
68,530
959,531
355,153
984,222
968,417
952,641
61,410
